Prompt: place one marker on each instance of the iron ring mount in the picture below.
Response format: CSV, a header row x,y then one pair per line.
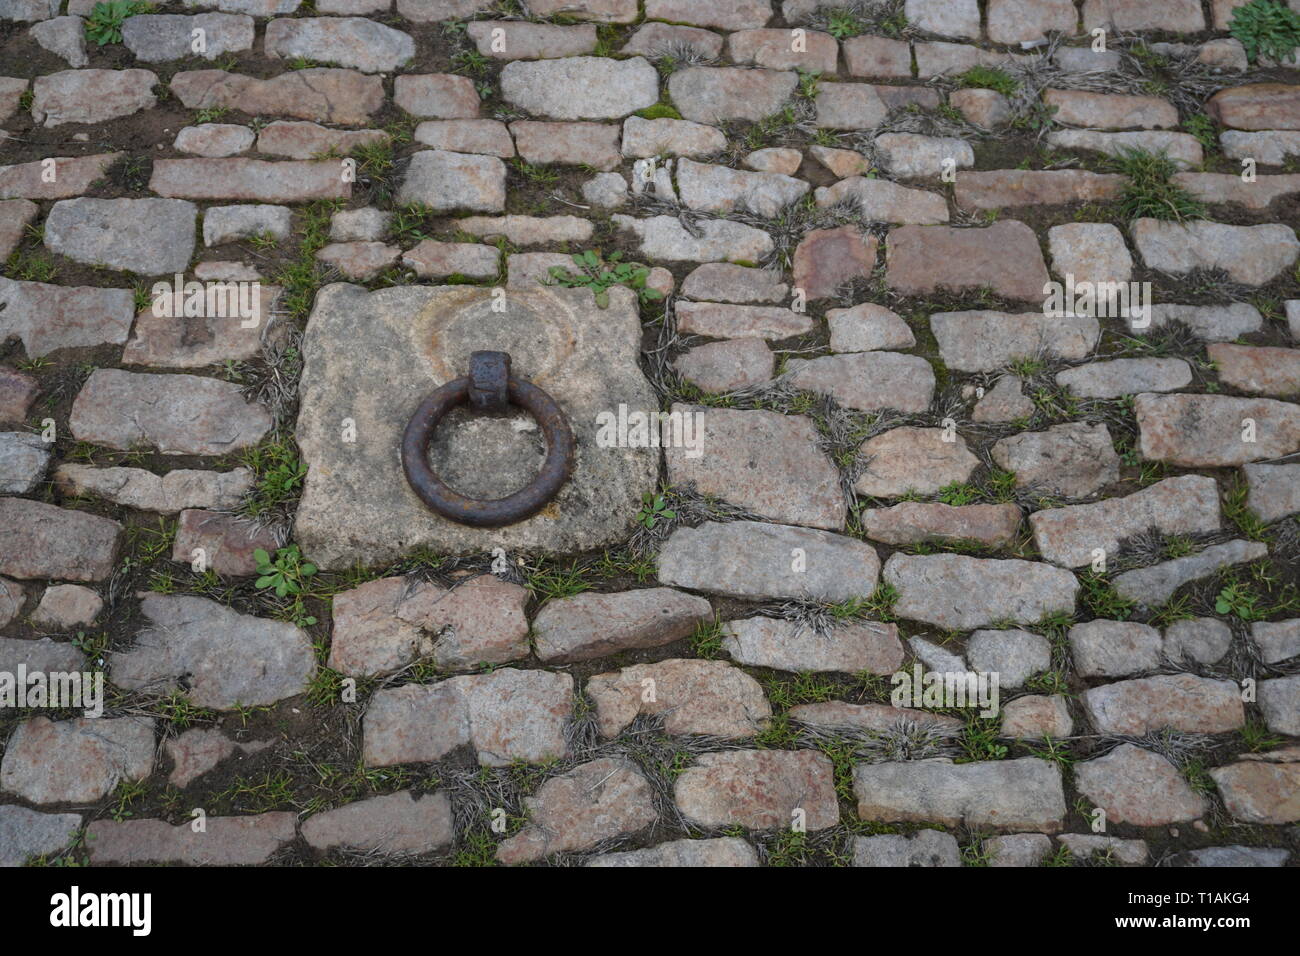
x,y
489,387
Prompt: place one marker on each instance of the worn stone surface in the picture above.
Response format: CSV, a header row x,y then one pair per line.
x,y
226,841
584,356
436,260
504,716
1201,639
1114,648
773,50
1276,641
718,240
24,457
758,789
998,188
91,96
722,189
67,606
956,591
1257,370
17,392
912,459
319,94
1114,851
719,851
41,654
912,522
65,37
781,160
252,180
444,180
1234,856
225,543
597,625
693,696
51,317
911,155
1018,21
1273,490
868,327
1075,459
225,658
581,87
751,559
793,646
215,140
1004,402
849,106
520,40
198,750
76,761
386,624
490,137
1250,254
1020,794
827,259
764,462
1257,792
1015,655
1183,149
595,801
707,94
1214,323
25,833
1228,188
352,42
1279,699
727,366
158,38
868,381
923,848
176,414
1257,106
885,201
1110,110
1269,148
1117,377
1036,716
303,140
1187,504
395,824
1004,257
592,144
175,491
1018,849
145,236
1154,585
643,138
1178,701
1196,430
359,260
39,540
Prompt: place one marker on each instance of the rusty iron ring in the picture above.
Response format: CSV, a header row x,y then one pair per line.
x,y
489,387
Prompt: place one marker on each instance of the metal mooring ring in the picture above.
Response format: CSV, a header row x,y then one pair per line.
x,y
489,387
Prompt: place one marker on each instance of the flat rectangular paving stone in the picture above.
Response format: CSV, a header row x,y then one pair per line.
x,y
1002,795
72,176
1068,536
320,94
254,180
357,504
1185,702
758,789
393,824
1254,255
355,42
709,94
726,321
1004,257
91,96
764,462
757,560
985,341
955,591
51,317
176,414
226,841
38,540
716,240
79,760
1008,188
175,491
1215,430
144,236
1274,490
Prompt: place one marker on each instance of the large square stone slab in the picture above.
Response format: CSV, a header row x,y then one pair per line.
x,y
372,357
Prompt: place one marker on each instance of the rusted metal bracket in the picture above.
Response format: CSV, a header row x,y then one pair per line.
x,y
489,387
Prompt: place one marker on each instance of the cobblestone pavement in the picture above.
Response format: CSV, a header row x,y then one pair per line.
x,y
977,326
